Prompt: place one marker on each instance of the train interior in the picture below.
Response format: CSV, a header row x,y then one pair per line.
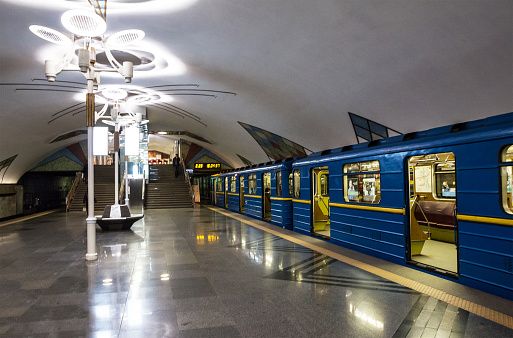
x,y
242,204
433,231
266,199
507,179
321,202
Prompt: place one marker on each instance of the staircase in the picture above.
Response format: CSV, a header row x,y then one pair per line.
x,y
103,190
165,191
103,187
77,203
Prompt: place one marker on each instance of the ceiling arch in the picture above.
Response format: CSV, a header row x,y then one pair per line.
x,y
297,68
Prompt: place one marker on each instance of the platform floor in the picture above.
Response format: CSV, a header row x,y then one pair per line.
x,y
205,272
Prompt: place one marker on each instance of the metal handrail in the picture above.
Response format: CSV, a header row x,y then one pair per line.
x,y
71,193
187,179
423,214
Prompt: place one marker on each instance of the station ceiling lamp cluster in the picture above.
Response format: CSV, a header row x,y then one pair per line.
x,y
87,35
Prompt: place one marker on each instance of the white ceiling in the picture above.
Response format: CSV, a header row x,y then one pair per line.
x,y
298,67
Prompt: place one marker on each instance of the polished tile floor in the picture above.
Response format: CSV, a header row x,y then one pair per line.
x,y
200,273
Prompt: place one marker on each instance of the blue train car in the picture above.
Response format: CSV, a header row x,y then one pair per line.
x,y
258,191
438,200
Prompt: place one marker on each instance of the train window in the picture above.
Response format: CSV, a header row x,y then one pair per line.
x,y
226,184
278,183
297,177
324,180
506,173
233,184
291,185
252,184
362,182
219,184
433,176
445,180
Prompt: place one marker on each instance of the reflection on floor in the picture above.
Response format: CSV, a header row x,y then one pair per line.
x,y
439,254
200,273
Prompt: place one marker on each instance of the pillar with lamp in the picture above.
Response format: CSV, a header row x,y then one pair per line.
x,y
87,35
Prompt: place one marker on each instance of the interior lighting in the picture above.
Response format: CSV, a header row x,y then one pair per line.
x,y
50,35
114,94
83,22
118,7
125,37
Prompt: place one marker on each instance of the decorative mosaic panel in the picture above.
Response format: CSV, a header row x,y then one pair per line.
x,y
69,135
4,165
367,130
245,160
275,146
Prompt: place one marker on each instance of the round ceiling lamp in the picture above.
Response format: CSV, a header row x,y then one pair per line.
x,y
83,23
115,94
142,99
49,34
125,37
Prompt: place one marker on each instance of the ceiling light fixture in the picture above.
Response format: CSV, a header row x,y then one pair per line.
x,y
124,37
83,23
114,94
50,35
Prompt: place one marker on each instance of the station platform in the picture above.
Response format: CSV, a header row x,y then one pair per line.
x,y
207,272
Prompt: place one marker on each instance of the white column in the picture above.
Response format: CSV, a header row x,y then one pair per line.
x,y
126,180
91,220
116,177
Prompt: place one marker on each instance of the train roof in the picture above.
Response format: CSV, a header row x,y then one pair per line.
x,y
261,166
499,120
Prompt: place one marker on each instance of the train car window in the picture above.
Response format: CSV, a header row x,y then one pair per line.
x,y
506,173
252,184
445,180
362,182
226,184
297,187
325,189
291,185
219,185
233,184
278,183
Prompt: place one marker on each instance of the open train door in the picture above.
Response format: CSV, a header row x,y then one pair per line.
x,y
320,202
433,229
242,205
266,198
226,187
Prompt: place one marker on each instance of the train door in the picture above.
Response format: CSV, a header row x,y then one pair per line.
x,y
433,229
226,188
242,205
266,198
321,202
219,188
213,190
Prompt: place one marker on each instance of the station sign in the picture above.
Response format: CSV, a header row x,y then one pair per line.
x,y
207,166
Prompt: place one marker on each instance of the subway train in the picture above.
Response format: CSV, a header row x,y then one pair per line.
x,y
438,200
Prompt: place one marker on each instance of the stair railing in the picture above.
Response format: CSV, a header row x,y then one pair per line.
x,y
187,179
71,193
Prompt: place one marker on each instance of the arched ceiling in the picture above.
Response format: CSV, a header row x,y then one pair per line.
x,y
297,68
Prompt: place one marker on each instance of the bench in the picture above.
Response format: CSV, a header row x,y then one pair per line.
x,y
441,219
117,217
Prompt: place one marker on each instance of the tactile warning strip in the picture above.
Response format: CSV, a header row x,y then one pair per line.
x,y
17,220
471,307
